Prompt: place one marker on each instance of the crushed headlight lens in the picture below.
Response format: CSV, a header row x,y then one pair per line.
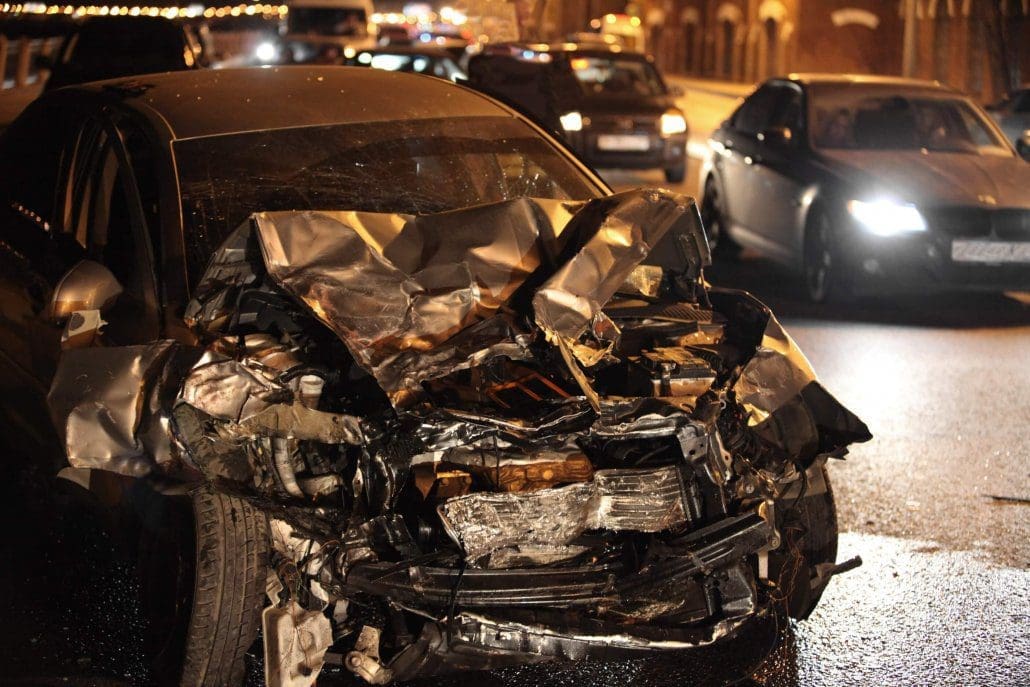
x,y
571,121
887,217
673,123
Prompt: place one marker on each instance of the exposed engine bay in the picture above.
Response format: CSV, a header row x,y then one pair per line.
x,y
512,433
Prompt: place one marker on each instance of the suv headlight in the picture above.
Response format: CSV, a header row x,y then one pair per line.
x,y
887,217
673,122
571,121
266,52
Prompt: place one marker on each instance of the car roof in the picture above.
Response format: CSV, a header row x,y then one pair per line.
x,y
213,102
865,79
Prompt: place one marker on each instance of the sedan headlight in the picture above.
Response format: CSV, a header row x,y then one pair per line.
x,y
266,52
673,122
887,217
571,121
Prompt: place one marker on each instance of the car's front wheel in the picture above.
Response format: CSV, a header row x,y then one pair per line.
x,y
713,219
825,275
202,564
809,530
676,175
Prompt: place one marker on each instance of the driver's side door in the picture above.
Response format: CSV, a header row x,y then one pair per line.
x,y
68,195
777,170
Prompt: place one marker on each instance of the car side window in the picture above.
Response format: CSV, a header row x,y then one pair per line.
x,y
104,213
789,110
771,106
754,114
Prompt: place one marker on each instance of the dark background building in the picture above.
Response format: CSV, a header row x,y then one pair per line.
x,y
979,46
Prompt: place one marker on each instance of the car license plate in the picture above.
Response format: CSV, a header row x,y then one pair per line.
x,y
990,251
623,142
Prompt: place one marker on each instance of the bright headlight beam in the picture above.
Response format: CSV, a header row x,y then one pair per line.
x,y
571,121
673,123
265,52
887,217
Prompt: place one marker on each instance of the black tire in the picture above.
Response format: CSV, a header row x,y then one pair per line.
x,y
809,531
676,175
202,565
825,272
712,218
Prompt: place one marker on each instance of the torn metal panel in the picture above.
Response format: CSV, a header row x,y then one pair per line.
x,y
228,389
393,284
639,500
569,303
778,388
776,373
99,404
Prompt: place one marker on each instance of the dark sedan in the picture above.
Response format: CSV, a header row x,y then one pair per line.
x,y
611,106
376,363
869,184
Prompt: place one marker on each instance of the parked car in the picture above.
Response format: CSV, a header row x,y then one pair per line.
x,y
107,47
1013,115
418,58
321,31
870,184
356,349
611,106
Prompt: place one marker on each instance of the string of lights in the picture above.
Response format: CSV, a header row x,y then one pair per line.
x,y
191,11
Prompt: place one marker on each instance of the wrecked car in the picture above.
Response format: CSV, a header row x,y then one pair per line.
x,y
384,371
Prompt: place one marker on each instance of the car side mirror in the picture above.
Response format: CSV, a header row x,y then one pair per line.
x,y
777,136
86,286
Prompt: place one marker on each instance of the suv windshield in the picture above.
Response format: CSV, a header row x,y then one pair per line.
x,y
882,119
415,166
616,76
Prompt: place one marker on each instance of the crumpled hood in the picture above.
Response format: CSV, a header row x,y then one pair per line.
x,y
934,178
414,296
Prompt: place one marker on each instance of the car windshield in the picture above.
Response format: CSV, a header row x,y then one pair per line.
x,y
328,21
415,166
616,76
882,119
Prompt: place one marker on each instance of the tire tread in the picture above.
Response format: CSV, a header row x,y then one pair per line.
x,y
231,563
